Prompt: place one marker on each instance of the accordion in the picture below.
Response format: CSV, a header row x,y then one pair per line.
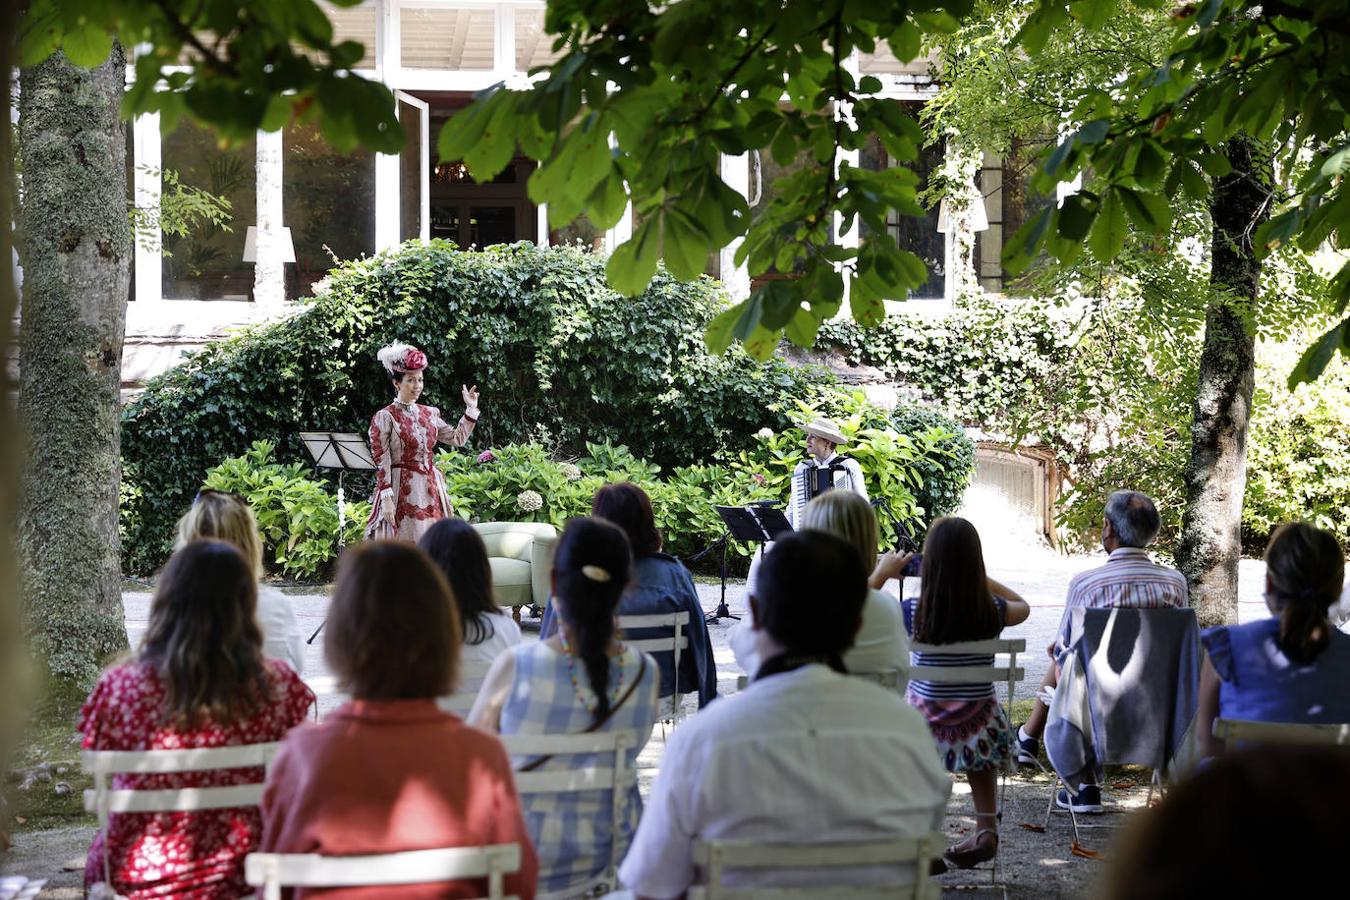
x,y
824,478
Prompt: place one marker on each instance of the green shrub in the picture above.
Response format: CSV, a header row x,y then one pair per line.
x,y
297,517
559,357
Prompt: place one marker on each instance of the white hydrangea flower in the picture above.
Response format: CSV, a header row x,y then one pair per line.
x,y
764,434
571,470
530,501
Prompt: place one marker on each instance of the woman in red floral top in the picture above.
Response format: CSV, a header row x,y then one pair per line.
x,y
409,490
199,680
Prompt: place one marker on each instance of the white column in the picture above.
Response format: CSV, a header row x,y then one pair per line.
x,y
965,215
387,184
504,47
541,225
735,171
149,187
388,60
269,269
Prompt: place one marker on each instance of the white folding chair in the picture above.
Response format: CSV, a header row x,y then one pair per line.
x,y
1282,733
1008,673
103,800
717,857
676,643
887,678
614,775
471,675
274,871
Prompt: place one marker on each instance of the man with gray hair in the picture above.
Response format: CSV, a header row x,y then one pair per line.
x,y
1128,578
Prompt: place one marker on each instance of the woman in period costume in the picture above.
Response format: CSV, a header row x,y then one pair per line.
x,y
409,489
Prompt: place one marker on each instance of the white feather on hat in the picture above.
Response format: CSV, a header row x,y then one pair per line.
x,y
392,356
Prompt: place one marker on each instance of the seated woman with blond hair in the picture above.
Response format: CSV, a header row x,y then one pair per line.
x,y
199,679
880,645
228,517
390,771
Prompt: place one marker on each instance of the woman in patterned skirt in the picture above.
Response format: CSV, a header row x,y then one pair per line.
x,y
409,489
959,602
199,679
581,679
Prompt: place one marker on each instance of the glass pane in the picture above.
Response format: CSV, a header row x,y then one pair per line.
x,y
410,173
534,47
1010,203
447,38
490,225
445,222
917,235
329,203
208,263
764,171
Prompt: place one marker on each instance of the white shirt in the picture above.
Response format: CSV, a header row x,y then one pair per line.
x,y
881,642
281,632
807,756
505,634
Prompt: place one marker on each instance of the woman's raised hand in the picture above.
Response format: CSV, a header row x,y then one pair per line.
x,y
470,395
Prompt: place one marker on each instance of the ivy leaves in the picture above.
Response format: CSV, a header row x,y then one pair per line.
x,y
252,64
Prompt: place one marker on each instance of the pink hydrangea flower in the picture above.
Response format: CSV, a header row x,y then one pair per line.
x,y
487,456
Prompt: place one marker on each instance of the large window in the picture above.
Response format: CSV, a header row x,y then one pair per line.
x,y
919,236
328,200
1009,203
208,263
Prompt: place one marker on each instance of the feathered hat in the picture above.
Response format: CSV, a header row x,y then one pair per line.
x,y
399,358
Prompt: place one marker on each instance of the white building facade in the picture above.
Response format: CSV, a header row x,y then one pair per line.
x,y
297,205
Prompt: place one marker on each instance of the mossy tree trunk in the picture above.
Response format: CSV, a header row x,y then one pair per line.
x,y
76,251
1216,476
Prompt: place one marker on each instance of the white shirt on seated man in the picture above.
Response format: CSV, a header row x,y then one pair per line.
x,y
803,754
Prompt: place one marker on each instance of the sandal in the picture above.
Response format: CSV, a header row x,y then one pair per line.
x,y
981,852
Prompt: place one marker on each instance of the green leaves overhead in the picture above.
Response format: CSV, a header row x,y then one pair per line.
x,y
1274,73
254,64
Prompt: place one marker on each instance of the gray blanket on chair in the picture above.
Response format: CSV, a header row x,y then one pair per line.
x,y
1127,692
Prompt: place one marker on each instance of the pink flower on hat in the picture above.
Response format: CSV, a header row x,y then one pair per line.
x,y
414,359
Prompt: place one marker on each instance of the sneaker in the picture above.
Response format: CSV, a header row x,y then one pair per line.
x,y
1027,749
1089,799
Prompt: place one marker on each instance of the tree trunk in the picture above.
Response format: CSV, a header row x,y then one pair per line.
x,y
1216,476
76,251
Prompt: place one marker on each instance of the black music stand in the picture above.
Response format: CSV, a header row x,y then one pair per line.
x,y
744,524
344,451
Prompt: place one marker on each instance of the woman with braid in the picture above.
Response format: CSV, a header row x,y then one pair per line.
x,y
582,679
1293,666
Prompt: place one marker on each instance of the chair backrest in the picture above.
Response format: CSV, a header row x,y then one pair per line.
x,y
103,800
273,871
614,774
1282,732
471,675
716,857
1008,673
676,643
887,678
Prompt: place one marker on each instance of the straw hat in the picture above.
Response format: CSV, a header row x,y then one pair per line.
x,y
827,430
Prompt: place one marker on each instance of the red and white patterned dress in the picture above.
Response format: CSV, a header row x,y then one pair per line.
x,y
180,854
403,440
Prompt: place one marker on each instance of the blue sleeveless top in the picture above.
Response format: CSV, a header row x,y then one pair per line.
x,y
1261,684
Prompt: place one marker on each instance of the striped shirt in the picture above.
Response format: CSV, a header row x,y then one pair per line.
x,y
1127,579
942,690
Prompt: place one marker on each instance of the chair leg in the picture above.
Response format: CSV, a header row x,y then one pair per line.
x,y
515,614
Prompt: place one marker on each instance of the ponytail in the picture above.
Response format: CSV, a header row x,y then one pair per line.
x,y
1304,570
592,568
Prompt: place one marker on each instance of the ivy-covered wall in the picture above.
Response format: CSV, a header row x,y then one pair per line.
x,y
560,359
